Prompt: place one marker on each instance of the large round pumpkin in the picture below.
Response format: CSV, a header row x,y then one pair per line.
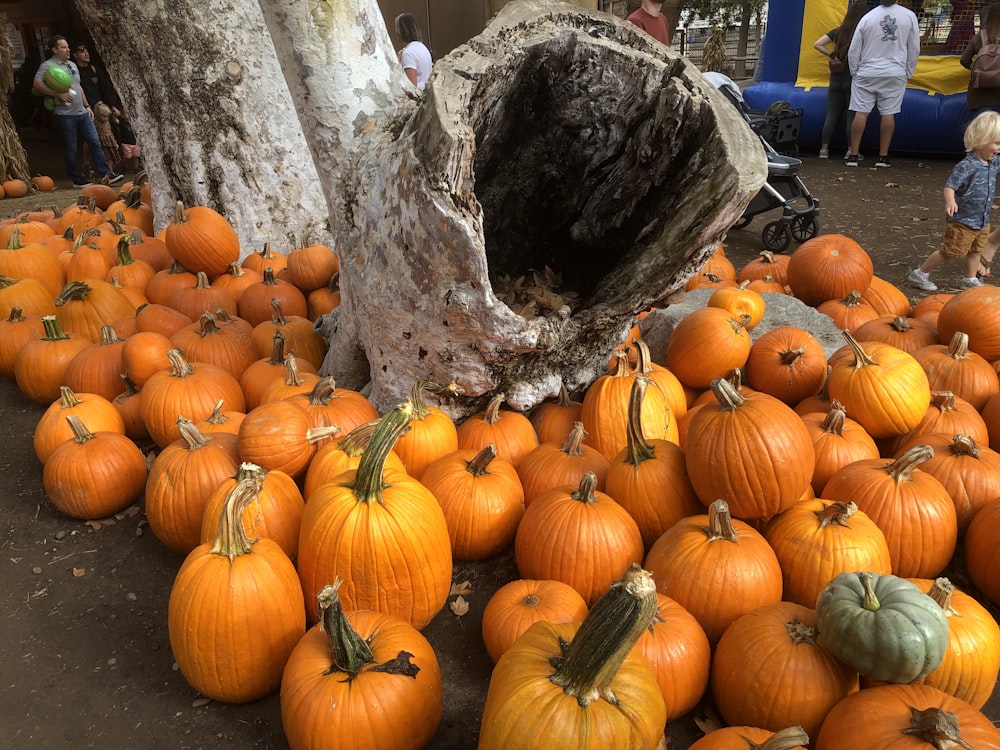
x,y
976,312
829,267
200,239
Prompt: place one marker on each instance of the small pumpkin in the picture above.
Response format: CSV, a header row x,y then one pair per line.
x,y
510,432
432,433
882,626
201,239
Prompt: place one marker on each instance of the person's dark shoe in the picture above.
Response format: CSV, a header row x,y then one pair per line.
x,y
851,160
111,178
883,161
81,185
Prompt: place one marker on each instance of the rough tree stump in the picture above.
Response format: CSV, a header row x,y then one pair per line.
x,y
557,138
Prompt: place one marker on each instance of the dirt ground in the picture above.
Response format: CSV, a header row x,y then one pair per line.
x,y
83,632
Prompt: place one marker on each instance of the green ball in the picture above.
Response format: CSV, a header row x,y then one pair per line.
x,y
57,79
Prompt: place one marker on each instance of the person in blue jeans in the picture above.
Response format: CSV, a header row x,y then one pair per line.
x,y
838,94
73,115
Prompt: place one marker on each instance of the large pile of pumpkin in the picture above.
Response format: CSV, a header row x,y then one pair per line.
x,y
737,516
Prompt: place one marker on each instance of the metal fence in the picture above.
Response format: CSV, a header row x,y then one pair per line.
x,y
740,59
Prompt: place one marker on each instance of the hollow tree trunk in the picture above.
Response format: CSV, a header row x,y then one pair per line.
x,y
202,84
559,138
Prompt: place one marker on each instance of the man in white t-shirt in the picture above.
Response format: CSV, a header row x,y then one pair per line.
x,y
882,58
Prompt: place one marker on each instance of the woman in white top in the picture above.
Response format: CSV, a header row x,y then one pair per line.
x,y
415,57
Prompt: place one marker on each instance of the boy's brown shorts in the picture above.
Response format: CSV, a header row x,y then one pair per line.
x,y
961,240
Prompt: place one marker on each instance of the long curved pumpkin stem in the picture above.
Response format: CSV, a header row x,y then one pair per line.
x,y
368,483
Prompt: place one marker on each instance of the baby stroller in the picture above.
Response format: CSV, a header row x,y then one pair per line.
x,y
783,188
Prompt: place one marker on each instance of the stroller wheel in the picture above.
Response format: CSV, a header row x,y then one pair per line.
x,y
776,236
804,228
744,221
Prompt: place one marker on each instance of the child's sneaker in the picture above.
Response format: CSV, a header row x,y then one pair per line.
x,y
921,281
969,283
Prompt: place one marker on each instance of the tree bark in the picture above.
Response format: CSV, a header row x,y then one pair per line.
x,y
202,83
559,139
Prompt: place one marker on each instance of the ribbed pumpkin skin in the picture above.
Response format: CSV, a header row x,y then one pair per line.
x,y
481,507
193,394
768,671
428,438
200,239
98,368
908,334
837,441
707,344
973,311
679,654
765,264
331,461
812,552
585,544
758,456
786,362
518,605
53,430
887,397
223,346
233,625
181,482
554,720
947,415
693,569
886,298
971,662
322,708
917,516
273,436
605,413
394,556
98,304
875,718
735,738
16,331
95,478
510,432
276,513
554,464
29,294
40,366
982,553
954,368
553,420
828,267
657,492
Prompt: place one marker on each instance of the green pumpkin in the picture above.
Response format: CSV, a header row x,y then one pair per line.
x,y
883,626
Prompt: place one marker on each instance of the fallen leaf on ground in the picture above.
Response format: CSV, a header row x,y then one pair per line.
x,y
459,607
79,572
461,589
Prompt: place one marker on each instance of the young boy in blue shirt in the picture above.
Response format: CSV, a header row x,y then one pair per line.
x,y
968,198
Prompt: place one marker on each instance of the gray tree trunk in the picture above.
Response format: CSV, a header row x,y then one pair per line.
x,y
558,139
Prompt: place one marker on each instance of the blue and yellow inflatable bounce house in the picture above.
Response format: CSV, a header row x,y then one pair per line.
x,y
934,113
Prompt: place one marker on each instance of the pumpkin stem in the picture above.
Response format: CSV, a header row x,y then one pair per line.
x,y
834,421
902,468
179,215
355,441
179,367
231,537
323,391
315,434
944,401
871,602
861,357
68,398
964,445
621,364
720,522
420,410
491,414
16,315
14,241
958,347
942,591
606,636
278,316
292,375
901,324
194,437
479,465
789,357
585,490
531,600
277,348
73,291
367,484
799,632
726,394
53,331
937,727
124,253
786,739
217,417
349,650
836,514
80,432
574,441
637,448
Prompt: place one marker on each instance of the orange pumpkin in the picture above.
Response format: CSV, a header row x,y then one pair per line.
x,y
982,553
510,432
887,299
200,239
551,464
788,363
976,312
706,344
829,267
908,334
851,312
954,368
517,605
766,264
432,433
738,302
768,670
